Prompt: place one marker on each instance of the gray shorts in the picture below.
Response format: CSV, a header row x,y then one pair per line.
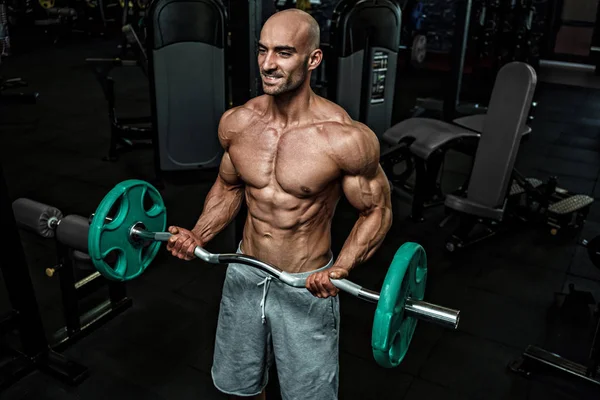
x,y
262,320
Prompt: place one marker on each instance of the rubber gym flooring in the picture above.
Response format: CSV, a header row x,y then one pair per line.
x,y
507,288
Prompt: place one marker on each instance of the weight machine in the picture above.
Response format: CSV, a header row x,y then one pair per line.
x,y
73,270
77,279
33,351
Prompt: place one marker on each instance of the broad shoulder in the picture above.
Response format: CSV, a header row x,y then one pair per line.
x,y
337,124
353,146
237,119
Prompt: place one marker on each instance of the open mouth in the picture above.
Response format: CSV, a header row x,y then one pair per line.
x,y
270,78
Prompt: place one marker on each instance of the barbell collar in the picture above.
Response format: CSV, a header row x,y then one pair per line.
x,y
138,232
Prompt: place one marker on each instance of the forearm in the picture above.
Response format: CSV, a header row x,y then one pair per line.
x,y
365,238
222,204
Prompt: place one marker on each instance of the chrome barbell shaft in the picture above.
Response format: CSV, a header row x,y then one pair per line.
x,y
446,317
419,309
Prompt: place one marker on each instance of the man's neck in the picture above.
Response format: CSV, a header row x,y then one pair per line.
x,y
291,108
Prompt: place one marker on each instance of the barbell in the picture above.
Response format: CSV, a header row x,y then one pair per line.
x,y
129,226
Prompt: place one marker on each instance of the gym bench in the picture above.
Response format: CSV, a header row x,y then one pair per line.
x,y
428,140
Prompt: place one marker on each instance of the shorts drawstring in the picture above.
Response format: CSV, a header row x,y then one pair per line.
x,y
266,282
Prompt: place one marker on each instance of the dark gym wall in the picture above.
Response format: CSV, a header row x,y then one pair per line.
x,y
246,20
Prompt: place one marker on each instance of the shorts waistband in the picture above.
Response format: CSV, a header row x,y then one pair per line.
x,y
298,274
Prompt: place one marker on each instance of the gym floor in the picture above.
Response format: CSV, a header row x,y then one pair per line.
x,y
507,288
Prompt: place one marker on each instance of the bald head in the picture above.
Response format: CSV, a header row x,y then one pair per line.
x,y
300,23
288,50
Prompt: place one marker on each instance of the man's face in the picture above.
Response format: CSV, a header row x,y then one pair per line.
x,y
283,57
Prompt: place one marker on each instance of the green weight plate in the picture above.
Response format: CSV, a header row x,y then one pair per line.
x,y
125,205
393,329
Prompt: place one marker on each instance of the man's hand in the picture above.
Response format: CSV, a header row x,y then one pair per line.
x,y
182,243
319,283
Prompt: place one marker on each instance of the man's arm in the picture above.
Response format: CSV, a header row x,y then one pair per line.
x,y
222,203
370,195
225,198
367,188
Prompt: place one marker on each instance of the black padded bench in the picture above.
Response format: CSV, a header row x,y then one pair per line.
x,y
499,143
427,140
496,190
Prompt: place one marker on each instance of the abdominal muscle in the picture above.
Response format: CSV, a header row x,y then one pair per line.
x,y
294,235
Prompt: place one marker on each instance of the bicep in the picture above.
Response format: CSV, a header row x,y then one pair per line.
x,y
364,183
368,191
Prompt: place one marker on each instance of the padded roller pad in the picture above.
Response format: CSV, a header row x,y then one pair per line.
x,y
73,232
30,214
428,134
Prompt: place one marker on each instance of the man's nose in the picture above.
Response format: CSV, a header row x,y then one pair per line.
x,y
268,63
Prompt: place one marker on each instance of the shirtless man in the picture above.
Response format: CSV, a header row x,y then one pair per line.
x,y
291,155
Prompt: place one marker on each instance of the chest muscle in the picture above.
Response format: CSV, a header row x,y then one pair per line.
x,y
297,162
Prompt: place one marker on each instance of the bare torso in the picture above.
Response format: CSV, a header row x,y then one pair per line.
x,y
292,182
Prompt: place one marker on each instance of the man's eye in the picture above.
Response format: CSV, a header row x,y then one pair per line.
x,y
285,54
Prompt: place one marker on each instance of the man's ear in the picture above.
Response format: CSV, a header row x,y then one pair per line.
x,y
315,58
